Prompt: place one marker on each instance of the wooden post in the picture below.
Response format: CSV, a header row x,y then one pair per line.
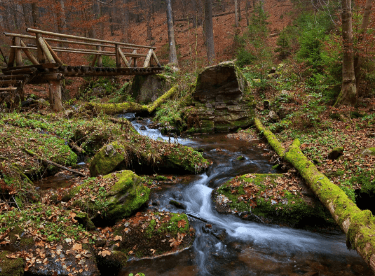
x,y
55,57
148,58
17,42
55,95
100,59
12,54
156,59
134,58
127,63
40,54
118,57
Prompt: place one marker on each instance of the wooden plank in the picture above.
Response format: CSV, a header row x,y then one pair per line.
x,y
127,63
55,57
148,58
31,30
94,60
8,88
68,41
20,71
156,59
17,41
45,49
29,55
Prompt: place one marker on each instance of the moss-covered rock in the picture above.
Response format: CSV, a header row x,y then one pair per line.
x,y
221,102
272,198
145,155
109,198
336,153
11,267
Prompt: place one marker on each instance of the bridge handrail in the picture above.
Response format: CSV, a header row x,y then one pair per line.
x,y
47,53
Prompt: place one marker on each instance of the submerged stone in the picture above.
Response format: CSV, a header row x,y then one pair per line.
x,y
271,198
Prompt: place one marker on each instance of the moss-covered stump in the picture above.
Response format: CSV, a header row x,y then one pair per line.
x,y
222,101
271,198
109,198
146,235
147,156
16,186
146,89
114,108
14,140
48,239
11,267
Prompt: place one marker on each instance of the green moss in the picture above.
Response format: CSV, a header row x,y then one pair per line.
x,y
11,267
113,108
106,160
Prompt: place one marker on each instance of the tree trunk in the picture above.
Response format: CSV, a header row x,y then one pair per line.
x,y
348,94
171,40
239,10
125,21
35,14
236,12
209,32
362,31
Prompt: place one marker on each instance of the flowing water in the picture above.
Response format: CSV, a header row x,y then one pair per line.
x,y
227,245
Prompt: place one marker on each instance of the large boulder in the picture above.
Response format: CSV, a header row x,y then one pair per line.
x,y
146,89
222,100
146,156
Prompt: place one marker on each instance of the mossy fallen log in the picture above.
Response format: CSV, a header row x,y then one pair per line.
x,y
271,138
358,225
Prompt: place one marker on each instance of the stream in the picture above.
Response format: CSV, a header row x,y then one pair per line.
x,y
227,245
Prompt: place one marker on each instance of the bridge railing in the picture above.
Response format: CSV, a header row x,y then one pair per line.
x,y
46,53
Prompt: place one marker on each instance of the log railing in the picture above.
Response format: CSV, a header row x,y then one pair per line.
x,y
47,54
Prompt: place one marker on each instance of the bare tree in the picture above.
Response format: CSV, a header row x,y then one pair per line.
x,y
35,14
348,94
171,40
364,26
209,32
236,12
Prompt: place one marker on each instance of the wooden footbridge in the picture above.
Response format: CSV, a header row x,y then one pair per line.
x,y
47,67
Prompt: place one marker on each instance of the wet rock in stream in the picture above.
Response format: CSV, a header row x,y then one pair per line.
x,y
271,198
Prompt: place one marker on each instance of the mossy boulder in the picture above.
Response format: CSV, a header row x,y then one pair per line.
x,y
146,236
46,239
146,89
271,198
11,267
221,102
109,198
144,155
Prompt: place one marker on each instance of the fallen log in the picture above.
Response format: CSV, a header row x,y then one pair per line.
x,y
358,225
151,108
53,163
